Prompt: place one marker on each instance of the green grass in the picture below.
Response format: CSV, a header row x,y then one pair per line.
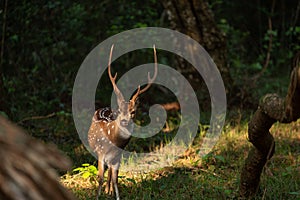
x,y
216,176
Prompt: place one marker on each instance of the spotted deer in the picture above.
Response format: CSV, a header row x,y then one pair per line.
x,y
111,130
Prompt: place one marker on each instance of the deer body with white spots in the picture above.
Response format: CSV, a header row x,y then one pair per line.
x,y
111,130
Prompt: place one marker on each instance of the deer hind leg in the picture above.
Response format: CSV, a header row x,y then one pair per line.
x,y
100,177
109,183
115,173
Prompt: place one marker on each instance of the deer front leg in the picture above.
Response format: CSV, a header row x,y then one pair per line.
x,y
100,176
115,173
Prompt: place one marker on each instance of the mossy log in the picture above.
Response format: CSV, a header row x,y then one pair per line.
x,y
272,108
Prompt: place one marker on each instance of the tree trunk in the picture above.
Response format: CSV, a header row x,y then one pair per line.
x,y
195,19
272,108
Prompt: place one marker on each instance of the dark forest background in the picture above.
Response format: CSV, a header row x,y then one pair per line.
x,y
44,42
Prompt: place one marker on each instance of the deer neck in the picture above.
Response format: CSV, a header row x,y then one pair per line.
x,y
119,135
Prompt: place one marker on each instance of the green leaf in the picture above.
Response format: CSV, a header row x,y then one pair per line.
x,y
294,193
14,38
256,66
220,158
228,192
86,175
93,169
80,169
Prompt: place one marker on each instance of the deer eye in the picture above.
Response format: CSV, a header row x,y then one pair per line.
x,y
132,113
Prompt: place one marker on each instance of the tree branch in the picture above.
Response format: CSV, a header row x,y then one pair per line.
x,y
36,117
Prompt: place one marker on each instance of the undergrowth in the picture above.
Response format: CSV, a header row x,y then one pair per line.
x,y
214,176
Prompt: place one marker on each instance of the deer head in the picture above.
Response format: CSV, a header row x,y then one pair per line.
x,y
126,110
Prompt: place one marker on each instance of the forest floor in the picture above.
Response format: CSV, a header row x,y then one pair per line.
x,y
214,176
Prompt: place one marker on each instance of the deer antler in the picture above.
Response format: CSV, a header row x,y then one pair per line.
x,y
150,80
113,79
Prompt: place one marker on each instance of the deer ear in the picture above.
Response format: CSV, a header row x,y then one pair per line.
x,y
96,115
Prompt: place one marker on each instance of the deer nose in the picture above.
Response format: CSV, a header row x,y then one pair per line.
x,y
124,122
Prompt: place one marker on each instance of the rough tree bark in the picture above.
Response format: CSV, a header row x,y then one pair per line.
x,y
27,167
195,19
272,108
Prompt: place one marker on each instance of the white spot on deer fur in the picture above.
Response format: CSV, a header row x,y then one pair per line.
x,y
98,139
109,142
113,126
108,131
102,138
101,129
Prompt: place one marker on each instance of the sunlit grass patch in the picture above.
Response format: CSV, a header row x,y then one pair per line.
x,y
214,176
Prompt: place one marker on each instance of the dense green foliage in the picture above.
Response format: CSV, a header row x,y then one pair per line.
x,y
246,24
46,41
